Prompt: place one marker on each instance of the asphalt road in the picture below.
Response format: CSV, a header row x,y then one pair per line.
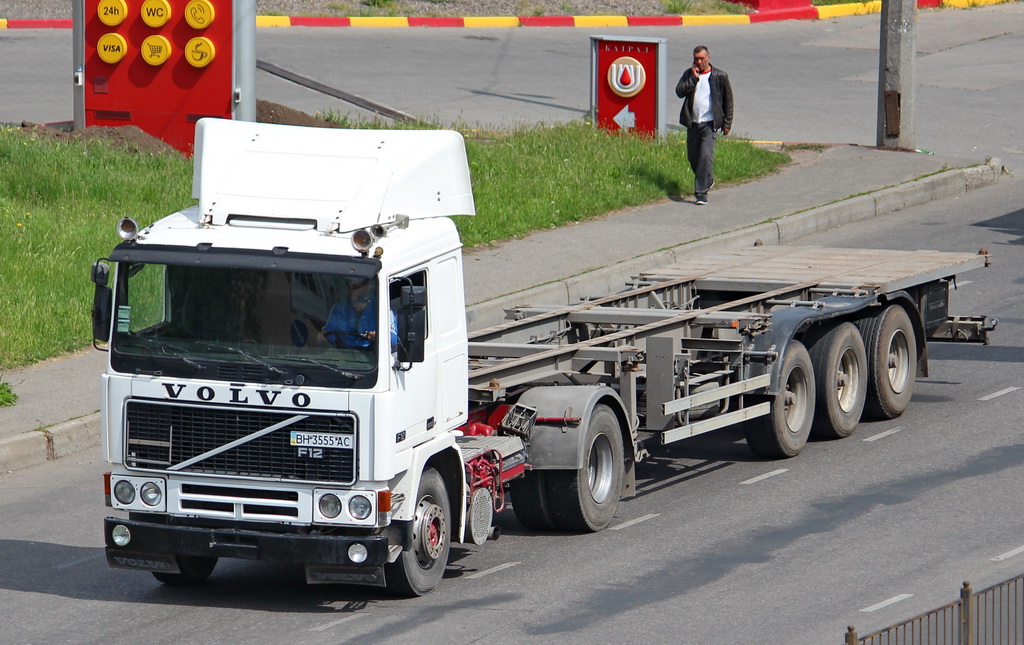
x,y
718,547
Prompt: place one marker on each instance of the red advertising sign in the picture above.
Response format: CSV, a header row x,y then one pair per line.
x,y
627,81
160,65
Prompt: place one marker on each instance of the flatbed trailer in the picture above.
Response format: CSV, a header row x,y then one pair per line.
x,y
789,341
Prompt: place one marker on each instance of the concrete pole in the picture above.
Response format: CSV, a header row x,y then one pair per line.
x,y
896,54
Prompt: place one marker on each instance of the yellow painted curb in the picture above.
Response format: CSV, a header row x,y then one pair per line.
x,y
3,23
601,21
716,20
970,4
380,22
494,21
851,9
273,21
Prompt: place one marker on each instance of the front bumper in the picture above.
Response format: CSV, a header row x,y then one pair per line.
x,y
152,546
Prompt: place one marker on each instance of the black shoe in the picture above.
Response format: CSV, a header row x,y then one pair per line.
x,y
712,184
702,201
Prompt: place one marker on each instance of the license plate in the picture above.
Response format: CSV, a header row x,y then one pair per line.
x,y
321,440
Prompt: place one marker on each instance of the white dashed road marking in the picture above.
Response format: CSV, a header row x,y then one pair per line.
x,y
625,525
765,476
886,603
487,572
989,397
880,435
1008,554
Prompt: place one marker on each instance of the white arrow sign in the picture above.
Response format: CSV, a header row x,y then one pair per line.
x,y
625,119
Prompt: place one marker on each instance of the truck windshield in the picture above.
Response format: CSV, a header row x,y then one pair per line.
x,y
247,325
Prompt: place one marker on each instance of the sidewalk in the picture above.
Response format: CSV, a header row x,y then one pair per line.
x,y
821,191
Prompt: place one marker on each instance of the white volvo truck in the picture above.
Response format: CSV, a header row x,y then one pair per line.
x,y
251,410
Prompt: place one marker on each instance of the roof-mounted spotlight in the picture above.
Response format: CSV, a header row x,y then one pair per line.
x,y
362,240
127,229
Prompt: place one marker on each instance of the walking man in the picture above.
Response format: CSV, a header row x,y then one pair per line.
x,y
707,108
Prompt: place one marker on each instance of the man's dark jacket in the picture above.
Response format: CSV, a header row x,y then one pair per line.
x,y
721,98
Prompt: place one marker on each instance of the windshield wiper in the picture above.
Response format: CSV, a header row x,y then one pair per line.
x,y
352,376
169,350
249,356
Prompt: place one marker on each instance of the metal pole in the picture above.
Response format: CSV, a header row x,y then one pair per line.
x,y
966,615
78,62
895,125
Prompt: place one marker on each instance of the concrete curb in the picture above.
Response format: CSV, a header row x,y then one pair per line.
x,y
65,439
49,444
778,231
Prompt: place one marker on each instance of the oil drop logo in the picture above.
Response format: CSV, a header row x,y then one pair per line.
x,y
626,76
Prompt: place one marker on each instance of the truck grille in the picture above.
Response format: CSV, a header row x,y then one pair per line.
x,y
162,435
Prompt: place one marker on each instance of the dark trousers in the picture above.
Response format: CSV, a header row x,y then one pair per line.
x,y
700,149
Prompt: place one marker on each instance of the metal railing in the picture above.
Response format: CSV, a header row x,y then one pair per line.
x,y
994,616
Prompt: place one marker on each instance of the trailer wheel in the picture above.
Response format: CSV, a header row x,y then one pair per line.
x,y
530,501
784,431
586,499
840,376
194,569
892,362
418,571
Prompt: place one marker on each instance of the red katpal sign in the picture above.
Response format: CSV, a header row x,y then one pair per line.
x,y
160,65
627,85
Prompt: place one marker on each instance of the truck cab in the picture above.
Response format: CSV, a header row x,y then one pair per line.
x,y
287,359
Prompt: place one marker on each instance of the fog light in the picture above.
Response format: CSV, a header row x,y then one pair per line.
x,y
122,536
357,553
124,492
151,494
359,507
330,506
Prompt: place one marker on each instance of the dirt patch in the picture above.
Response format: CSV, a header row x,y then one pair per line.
x,y
134,140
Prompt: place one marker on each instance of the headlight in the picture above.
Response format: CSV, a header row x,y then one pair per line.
x,y
330,506
124,492
151,494
359,507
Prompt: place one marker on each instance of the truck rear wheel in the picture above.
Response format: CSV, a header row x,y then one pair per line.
x,y
194,569
418,571
586,499
840,375
530,501
892,362
783,432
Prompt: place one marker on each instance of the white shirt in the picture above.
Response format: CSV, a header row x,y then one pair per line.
x,y
702,99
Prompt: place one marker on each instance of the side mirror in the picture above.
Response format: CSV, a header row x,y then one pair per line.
x,y
102,301
412,324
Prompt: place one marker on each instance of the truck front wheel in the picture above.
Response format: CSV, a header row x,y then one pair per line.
x,y
586,499
784,430
418,571
194,569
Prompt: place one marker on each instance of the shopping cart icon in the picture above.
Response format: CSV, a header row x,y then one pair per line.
x,y
155,51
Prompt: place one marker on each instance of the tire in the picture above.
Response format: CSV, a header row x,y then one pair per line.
x,y
194,569
841,381
892,362
530,501
418,571
585,499
783,432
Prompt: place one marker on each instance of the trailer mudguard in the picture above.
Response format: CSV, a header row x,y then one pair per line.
x,y
787,323
563,413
